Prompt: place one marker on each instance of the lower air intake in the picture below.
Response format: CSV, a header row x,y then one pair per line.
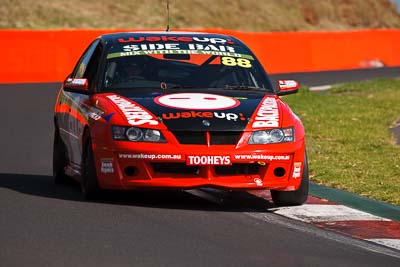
x,y
200,138
175,168
237,169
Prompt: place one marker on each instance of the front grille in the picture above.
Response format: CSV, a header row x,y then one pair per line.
x,y
224,138
200,138
191,138
175,168
238,168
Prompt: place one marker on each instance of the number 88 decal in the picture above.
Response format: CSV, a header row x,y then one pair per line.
x,y
231,62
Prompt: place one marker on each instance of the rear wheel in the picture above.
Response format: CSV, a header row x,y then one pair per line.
x,y
297,197
89,184
60,159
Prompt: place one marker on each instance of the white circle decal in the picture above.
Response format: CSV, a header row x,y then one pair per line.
x,y
197,101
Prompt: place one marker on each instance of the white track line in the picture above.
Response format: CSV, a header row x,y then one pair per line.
x,y
393,243
325,213
320,88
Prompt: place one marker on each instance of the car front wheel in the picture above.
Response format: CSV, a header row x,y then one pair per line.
x,y
297,197
89,184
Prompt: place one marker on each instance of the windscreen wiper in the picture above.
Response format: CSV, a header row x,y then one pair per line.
x,y
179,86
245,87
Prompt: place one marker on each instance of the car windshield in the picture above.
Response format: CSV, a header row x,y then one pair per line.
x,y
164,65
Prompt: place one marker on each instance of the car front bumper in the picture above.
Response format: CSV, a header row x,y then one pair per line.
x,y
127,165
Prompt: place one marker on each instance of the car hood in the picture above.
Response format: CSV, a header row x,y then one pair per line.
x,y
209,110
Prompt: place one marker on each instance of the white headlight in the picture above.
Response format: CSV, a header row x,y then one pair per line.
x,y
134,134
152,135
272,136
276,135
259,137
118,132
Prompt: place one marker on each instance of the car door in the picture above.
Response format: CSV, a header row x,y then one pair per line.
x,y
79,103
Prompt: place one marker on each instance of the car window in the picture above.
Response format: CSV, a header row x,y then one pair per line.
x,y
189,63
93,65
89,63
80,68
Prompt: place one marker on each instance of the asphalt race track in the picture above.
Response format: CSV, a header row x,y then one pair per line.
x,y
42,224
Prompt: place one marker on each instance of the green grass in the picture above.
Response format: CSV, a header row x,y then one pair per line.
x,y
349,143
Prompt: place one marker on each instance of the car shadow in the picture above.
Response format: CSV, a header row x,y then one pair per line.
x,y
196,199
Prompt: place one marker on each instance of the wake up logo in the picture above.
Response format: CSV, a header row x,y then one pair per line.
x,y
208,115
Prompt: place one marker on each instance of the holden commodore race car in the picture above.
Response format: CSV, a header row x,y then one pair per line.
x,y
177,110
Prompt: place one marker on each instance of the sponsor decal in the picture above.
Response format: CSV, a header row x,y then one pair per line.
x,y
177,47
160,45
109,116
284,84
199,114
107,166
185,39
208,160
79,81
296,170
268,114
197,101
258,181
232,62
95,113
135,114
263,157
152,156
216,52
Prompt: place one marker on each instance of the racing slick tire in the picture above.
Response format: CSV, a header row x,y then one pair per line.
x,y
296,197
89,184
60,159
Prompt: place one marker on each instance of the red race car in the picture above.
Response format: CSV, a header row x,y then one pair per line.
x,y
177,110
